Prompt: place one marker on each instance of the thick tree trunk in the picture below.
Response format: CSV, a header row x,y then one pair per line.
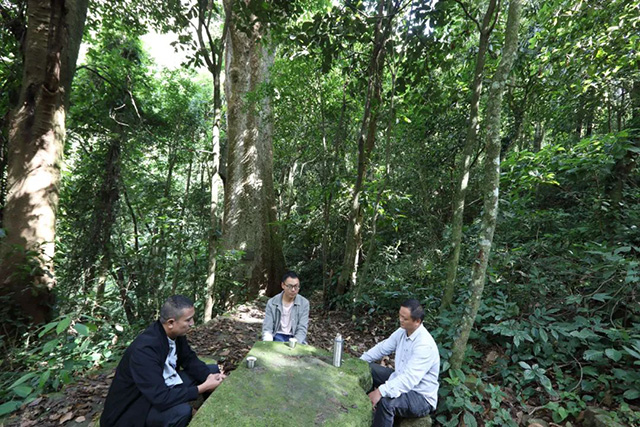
x,y
491,181
249,201
366,142
465,162
36,140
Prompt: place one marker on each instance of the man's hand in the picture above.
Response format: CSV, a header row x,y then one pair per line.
x,y
375,397
211,383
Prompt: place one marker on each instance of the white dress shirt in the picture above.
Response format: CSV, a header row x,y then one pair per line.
x,y
417,364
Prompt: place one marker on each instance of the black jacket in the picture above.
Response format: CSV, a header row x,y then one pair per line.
x,y
139,384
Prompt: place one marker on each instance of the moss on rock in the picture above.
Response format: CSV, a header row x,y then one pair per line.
x,y
291,387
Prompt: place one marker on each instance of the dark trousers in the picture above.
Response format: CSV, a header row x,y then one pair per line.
x,y
407,405
282,337
178,415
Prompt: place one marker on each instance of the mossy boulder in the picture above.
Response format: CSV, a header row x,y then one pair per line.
x,y
291,387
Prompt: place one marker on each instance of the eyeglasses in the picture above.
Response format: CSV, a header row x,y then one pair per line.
x,y
293,287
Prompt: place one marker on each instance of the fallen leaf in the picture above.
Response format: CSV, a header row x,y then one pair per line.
x,y
66,417
35,402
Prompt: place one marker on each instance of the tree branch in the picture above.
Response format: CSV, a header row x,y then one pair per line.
x,y
466,12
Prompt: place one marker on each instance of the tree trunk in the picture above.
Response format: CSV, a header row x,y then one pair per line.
x,y
104,219
181,230
36,140
538,137
328,179
212,50
366,142
249,200
491,181
216,190
625,165
369,255
465,162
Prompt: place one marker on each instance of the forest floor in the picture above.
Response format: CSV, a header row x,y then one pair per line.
x,y
226,339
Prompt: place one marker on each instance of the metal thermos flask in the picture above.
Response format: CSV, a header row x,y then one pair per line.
x,y
337,351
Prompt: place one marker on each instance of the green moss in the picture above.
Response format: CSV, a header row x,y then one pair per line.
x,y
291,387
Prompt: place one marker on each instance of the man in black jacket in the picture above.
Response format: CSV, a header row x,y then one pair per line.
x,y
159,374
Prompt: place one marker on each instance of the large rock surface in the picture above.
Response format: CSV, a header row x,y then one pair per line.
x,y
291,387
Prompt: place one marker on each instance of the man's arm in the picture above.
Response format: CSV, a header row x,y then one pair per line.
x,y
422,359
383,348
188,360
303,323
268,327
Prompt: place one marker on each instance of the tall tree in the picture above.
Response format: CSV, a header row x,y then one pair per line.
x,y
12,28
249,201
386,11
485,28
491,180
212,51
36,139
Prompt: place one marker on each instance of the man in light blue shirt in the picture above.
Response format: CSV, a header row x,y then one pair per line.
x,y
412,389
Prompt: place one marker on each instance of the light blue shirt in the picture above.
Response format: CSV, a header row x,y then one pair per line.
x,y
169,372
417,364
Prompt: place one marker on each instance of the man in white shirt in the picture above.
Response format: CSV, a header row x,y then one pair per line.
x,y
287,314
412,389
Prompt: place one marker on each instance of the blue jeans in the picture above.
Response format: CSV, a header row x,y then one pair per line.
x,y
407,405
178,415
282,337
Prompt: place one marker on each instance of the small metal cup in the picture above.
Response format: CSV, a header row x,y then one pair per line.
x,y
293,342
251,362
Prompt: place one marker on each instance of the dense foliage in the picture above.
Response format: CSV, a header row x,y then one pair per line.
x,y
559,325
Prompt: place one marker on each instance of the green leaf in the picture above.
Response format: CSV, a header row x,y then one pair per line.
x,y
584,334
546,382
49,346
631,394
613,354
22,390
560,414
63,325
470,420
602,297
622,249
44,378
46,328
524,365
544,335
8,407
82,329
593,355
635,354
22,379
65,377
